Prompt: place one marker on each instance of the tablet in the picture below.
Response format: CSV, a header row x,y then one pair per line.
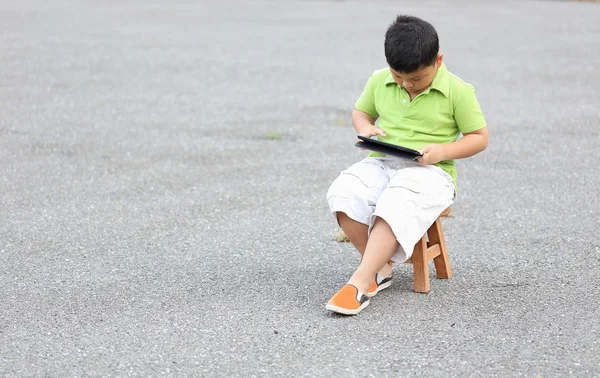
x,y
387,148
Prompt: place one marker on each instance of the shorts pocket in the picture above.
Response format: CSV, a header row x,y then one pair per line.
x,y
413,186
369,174
420,180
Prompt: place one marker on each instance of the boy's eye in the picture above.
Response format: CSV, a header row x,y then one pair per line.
x,y
417,79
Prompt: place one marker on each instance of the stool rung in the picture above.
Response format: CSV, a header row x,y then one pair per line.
x,y
430,254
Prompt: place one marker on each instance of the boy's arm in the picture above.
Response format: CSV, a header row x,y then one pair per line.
x,y
470,144
365,114
364,124
470,122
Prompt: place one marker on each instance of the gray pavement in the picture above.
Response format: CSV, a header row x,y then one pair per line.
x,y
163,170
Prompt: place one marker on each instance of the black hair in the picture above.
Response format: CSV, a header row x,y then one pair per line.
x,y
411,43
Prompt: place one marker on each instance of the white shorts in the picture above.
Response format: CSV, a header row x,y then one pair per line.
x,y
409,196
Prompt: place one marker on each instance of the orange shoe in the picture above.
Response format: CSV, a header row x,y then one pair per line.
x,y
348,301
379,283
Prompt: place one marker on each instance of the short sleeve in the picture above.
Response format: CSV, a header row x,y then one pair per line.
x,y
366,101
467,112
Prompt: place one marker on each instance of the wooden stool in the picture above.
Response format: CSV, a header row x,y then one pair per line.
x,y
432,246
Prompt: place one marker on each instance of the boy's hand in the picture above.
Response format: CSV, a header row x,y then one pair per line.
x,y
371,130
432,153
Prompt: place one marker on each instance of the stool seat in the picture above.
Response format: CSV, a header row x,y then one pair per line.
x,y
432,246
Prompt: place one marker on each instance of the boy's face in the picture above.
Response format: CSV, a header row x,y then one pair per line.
x,y
419,80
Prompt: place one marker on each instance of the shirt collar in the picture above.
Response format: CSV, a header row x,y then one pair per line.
x,y
440,82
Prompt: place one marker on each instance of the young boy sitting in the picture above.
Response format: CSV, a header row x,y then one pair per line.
x,y
385,204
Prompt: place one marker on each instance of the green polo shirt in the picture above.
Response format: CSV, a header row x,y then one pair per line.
x,y
438,115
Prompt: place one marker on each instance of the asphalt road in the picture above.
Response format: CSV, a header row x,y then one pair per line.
x,y
163,170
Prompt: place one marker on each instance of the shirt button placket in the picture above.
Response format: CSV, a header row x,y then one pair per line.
x,y
403,94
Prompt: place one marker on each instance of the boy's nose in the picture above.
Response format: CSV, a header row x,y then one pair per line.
x,y
406,85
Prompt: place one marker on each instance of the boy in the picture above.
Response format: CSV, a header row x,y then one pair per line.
x,y
385,204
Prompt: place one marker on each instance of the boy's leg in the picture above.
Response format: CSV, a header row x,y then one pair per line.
x,y
381,246
352,198
352,297
413,199
358,234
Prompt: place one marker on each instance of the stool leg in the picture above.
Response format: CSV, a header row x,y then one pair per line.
x,y
421,266
442,263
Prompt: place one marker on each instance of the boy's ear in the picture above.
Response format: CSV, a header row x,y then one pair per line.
x,y
439,60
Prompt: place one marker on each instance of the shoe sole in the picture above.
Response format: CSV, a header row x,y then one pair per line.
x,y
345,311
379,288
